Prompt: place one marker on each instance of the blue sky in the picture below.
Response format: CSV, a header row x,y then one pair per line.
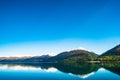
x,y
67,22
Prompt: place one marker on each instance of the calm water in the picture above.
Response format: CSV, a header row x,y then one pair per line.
x,y
59,72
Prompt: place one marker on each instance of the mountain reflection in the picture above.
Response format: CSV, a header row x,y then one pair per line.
x,y
113,67
83,76
25,68
82,70
18,67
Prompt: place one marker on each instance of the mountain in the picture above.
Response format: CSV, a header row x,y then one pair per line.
x,y
14,58
38,58
74,55
25,59
114,51
111,55
68,57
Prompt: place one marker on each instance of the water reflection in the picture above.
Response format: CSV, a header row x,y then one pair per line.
x,y
18,67
73,72
83,76
25,68
78,69
113,67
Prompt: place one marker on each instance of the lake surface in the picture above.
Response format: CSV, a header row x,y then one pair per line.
x,y
59,72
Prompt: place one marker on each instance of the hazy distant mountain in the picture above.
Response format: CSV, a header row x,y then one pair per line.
x,y
25,59
14,58
113,51
38,58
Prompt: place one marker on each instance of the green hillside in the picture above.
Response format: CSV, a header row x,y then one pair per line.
x,y
74,56
111,55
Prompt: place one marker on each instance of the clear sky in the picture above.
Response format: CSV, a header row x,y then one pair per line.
x,y
35,27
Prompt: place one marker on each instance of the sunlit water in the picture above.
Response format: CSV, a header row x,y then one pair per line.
x,y
29,72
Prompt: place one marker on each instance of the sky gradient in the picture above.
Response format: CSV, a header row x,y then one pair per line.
x,y
93,24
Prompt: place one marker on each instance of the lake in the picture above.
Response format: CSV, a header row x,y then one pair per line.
x,y
27,71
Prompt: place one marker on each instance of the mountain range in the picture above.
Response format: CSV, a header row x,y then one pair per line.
x,y
73,56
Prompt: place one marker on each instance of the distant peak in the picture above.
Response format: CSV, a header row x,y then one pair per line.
x,y
81,48
45,55
51,54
